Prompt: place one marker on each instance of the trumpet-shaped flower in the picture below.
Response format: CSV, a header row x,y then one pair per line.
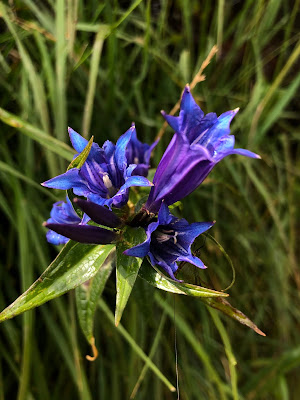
x,y
64,225
169,240
106,176
199,143
63,213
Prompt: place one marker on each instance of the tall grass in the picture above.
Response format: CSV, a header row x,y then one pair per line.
x,y
98,66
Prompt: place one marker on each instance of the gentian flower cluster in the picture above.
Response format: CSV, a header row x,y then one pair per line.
x,y
104,180
107,174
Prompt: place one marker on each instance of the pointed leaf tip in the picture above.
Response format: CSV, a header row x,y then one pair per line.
x,y
226,308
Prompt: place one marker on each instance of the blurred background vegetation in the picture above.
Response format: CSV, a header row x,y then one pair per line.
x,y
97,66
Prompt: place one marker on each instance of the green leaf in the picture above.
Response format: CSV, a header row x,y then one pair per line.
x,y
156,278
81,158
127,267
226,308
37,134
88,294
75,264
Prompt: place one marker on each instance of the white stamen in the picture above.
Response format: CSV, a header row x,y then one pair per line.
x,y
161,237
107,181
174,237
136,160
165,235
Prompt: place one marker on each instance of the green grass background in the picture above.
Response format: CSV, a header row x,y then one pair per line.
x,y
97,66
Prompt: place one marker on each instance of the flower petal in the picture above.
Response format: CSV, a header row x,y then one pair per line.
x,y
246,153
135,181
192,260
170,269
171,120
189,232
141,250
219,129
164,215
120,153
64,213
64,181
95,198
189,106
85,219
223,147
109,148
55,238
99,214
78,142
195,133
188,169
84,233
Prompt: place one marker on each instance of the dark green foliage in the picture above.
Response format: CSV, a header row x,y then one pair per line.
x,y
121,62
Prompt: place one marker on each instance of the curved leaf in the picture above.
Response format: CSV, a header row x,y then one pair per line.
x,y
156,278
75,264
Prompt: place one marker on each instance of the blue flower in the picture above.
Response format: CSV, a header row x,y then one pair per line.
x,y
199,143
64,223
63,213
105,177
139,153
169,240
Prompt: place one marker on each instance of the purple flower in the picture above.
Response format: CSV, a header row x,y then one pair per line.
x,y
169,240
67,225
139,153
199,143
106,176
63,213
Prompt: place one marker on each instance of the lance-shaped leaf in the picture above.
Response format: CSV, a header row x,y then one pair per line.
x,y
156,278
75,264
226,308
78,161
87,297
127,268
